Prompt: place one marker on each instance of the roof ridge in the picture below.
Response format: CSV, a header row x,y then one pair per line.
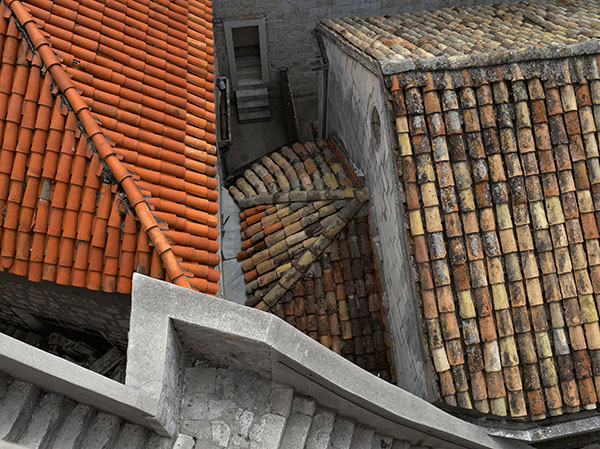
x,y
93,133
337,222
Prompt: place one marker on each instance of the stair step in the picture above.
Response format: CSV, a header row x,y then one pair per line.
x,y
320,429
48,415
102,432
250,105
362,438
131,437
16,408
268,432
251,94
280,401
296,431
341,435
381,442
72,431
303,405
255,116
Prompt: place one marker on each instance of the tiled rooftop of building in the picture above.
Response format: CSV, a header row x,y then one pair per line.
x,y
307,251
466,31
107,158
501,174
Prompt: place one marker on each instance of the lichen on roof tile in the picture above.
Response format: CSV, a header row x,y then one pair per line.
x,y
502,227
308,254
460,35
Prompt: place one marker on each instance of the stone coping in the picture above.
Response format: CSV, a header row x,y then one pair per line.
x,y
168,320
238,336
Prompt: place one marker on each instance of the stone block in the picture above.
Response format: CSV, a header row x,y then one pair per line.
x,y
73,427
362,437
131,437
16,407
244,419
200,380
320,429
220,408
102,431
296,431
268,432
221,433
194,408
184,442
280,401
303,405
197,428
341,435
46,416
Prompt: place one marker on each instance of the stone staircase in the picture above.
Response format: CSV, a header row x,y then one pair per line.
x,y
310,426
36,419
232,408
253,104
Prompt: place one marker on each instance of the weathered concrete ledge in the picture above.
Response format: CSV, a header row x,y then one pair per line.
x,y
51,373
246,338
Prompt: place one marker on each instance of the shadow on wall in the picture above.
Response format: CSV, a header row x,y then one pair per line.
x,y
251,141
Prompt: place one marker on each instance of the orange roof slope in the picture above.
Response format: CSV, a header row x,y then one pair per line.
x,y
308,254
107,143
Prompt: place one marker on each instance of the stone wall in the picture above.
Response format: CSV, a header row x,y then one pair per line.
x,y
354,93
80,309
228,407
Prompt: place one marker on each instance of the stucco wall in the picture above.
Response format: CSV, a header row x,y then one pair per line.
x,y
353,93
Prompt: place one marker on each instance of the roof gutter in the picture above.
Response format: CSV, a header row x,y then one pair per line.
x,y
94,135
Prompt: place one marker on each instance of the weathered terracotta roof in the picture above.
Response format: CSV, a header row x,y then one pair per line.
x,y
460,33
501,175
107,134
307,251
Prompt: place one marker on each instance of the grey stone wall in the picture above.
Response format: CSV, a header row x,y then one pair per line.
x,y
77,308
353,93
225,407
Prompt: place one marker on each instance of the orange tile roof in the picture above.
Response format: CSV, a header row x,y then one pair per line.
x,y
501,173
108,142
308,253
